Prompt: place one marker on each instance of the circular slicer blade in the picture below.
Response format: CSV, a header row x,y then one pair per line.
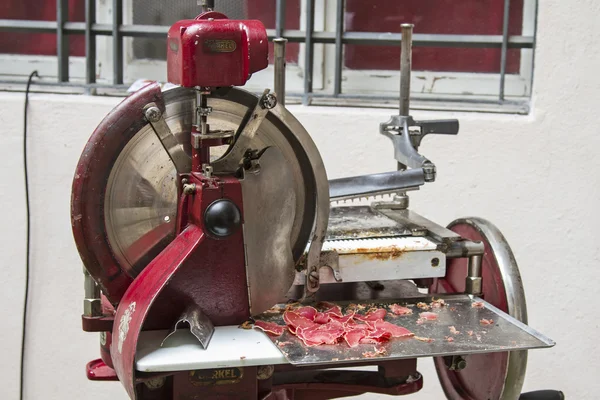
x,y
137,193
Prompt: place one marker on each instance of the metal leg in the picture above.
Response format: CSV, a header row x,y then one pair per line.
x,y
474,284
279,66
92,306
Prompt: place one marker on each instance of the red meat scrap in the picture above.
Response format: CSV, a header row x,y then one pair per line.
x,y
428,316
373,315
400,310
270,327
321,318
394,330
484,321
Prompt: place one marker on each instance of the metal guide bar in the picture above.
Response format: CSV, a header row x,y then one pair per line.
x,y
339,37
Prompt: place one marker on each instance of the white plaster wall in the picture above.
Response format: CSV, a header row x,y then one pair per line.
x,y
537,177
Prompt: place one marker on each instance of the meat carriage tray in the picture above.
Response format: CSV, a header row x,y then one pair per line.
x,y
504,334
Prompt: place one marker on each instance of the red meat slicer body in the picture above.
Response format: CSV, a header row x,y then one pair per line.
x,y
174,235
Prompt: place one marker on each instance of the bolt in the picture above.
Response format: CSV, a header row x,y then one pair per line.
x,y
268,101
435,262
459,363
155,383
189,188
153,114
265,372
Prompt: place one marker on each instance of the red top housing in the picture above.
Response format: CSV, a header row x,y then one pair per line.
x,y
214,51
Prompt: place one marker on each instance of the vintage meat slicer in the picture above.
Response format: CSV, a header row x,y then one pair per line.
x,y
198,208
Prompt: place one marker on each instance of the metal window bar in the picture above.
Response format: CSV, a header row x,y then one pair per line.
x,y
309,37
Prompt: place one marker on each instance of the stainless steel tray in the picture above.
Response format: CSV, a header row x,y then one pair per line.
x,y
505,334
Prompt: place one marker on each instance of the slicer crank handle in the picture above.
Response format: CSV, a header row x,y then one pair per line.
x,y
543,395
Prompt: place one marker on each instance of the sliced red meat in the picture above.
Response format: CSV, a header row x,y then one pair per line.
x,y
335,311
307,312
428,316
270,327
328,333
295,320
400,310
372,315
321,318
393,330
354,336
345,319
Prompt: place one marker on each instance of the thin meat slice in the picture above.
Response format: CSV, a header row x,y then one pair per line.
x,y
354,336
270,327
345,319
397,309
393,330
295,321
373,315
428,316
328,333
334,311
321,318
307,312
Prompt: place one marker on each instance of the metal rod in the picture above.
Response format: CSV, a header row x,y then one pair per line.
x,y
90,42
339,48
279,18
505,26
293,36
405,68
279,66
473,284
309,50
207,5
62,40
117,10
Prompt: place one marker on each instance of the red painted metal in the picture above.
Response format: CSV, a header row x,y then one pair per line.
x,y
213,51
193,269
484,376
93,169
97,324
97,370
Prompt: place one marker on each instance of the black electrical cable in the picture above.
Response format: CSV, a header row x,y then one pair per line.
x,y
27,223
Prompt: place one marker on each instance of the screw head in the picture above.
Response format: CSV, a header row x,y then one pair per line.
x,y
269,101
153,114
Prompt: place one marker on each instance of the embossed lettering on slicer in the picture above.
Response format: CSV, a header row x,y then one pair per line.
x,y
220,45
124,325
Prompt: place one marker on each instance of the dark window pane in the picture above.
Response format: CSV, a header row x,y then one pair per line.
x,y
39,43
470,17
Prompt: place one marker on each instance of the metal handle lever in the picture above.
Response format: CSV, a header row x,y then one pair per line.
x,y
366,185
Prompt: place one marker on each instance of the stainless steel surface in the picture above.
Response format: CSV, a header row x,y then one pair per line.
x,y
357,222
141,192
320,193
171,144
474,284
405,68
358,186
407,217
269,208
515,294
279,69
379,259
199,325
464,248
232,159
505,334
